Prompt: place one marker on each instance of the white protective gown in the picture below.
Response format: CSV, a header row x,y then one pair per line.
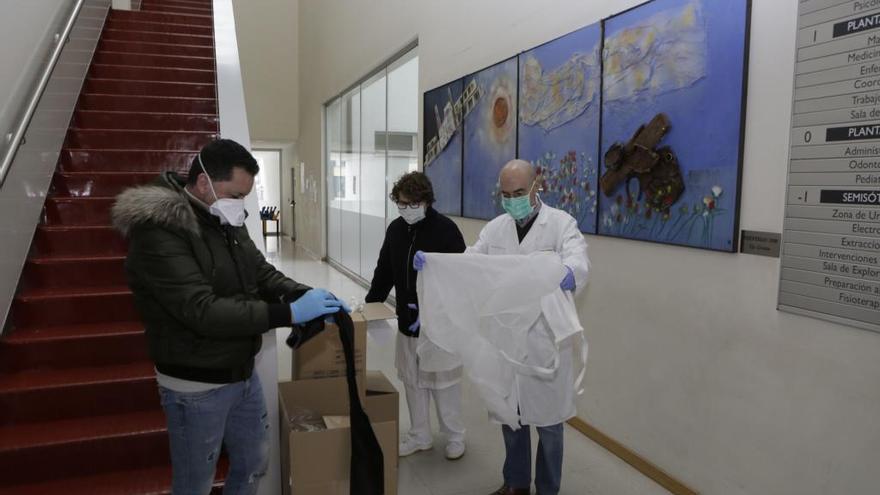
x,y
533,374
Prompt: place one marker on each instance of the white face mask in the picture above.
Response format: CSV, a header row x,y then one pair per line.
x,y
230,211
412,215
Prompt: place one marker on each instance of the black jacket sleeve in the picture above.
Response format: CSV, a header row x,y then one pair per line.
x,y
274,286
383,275
161,265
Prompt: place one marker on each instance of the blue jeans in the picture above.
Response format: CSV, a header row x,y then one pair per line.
x,y
518,462
233,415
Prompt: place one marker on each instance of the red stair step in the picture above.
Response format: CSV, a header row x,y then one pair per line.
x,y
77,211
55,272
67,447
156,37
181,3
149,88
156,27
93,119
77,241
122,103
192,4
156,48
204,3
203,6
50,395
73,346
137,139
198,2
151,481
161,17
135,73
174,8
73,306
147,60
99,184
86,160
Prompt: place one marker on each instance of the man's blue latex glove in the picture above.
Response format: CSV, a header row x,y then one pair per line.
x,y
568,282
342,303
329,318
313,304
419,261
414,327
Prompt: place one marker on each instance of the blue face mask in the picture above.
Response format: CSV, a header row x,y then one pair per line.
x,y
519,207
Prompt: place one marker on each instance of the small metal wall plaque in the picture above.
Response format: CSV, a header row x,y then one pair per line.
x,y
760,243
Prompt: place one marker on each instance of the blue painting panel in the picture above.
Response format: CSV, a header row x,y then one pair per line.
x,y
559,97
442,137
489,109
682,58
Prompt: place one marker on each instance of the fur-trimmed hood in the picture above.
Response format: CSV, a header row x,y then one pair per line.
x,y
163,202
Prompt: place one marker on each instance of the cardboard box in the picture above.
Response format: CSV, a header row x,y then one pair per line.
x,y
377,311
322,356
319,462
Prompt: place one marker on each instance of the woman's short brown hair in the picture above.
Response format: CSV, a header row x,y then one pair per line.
x,y
416,186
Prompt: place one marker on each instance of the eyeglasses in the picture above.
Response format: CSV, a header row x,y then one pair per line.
x,y
413,206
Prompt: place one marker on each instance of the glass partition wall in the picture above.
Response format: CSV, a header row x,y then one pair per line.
x,y
371,139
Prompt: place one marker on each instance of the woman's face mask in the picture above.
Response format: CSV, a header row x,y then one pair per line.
x,y
230,211
412,215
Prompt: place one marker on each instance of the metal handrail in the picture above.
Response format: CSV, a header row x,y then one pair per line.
x,y
15,139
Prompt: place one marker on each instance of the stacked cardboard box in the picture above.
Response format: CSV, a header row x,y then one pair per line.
x,y
315,437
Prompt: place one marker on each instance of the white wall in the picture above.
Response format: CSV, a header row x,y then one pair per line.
x,y
267,42
30,23
691,365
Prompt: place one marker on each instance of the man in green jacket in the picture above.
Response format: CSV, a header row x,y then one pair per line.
x,y
206,295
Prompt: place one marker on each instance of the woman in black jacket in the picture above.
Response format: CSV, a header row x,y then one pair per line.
x,y
419,228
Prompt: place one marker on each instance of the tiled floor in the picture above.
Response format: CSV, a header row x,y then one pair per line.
x,y
588,468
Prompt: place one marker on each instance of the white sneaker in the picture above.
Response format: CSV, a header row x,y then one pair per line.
x,y
454,450
411,445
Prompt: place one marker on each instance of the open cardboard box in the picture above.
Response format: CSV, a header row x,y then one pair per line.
x,y
322,357
318,462
376,311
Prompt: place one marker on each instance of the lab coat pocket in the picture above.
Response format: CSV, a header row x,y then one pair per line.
x,y
496,249
546,247
541,347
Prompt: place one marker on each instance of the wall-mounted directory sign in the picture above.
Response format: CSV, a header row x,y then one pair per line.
x,y
831,239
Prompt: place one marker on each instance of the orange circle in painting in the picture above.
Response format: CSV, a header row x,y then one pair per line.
x,y
500,111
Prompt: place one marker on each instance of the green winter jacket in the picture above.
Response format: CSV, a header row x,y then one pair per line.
x,y
204,291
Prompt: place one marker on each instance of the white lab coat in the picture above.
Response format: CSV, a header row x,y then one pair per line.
x,y
479,313
542,401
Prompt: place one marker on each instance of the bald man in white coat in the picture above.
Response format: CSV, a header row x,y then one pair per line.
x,y
529,226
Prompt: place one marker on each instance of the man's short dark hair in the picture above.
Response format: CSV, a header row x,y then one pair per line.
x,y
219,158
416,186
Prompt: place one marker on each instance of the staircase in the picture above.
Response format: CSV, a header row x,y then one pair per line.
x,y
79,408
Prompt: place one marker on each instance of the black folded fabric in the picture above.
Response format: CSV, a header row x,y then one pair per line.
x,y
300,334
367,462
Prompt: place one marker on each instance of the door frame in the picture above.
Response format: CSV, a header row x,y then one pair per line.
x,y
280,150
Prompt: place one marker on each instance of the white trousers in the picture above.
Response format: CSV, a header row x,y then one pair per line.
x,y
447,399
